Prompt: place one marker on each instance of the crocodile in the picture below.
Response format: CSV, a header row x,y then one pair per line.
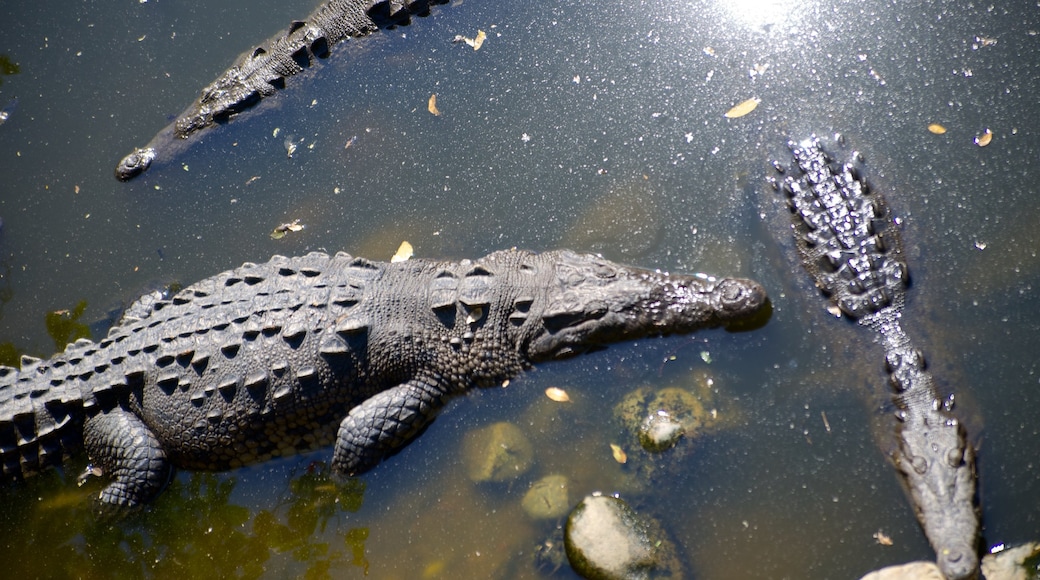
x,y
262,71
294,354
848,241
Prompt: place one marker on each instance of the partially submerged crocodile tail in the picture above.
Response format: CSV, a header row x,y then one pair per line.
x,y
262,71
849,244
41,420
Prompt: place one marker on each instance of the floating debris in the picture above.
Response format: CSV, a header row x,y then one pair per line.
x,y
743,108
280,231
403,253
350,142
882,538
557,394
984,139
431,105
475,43
5,113
936,128
290,145
983,42
475,315
619,454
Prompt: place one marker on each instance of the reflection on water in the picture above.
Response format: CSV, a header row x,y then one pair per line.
x,y
766,15
599,129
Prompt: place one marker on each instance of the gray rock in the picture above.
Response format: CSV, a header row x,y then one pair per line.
x,y
605,540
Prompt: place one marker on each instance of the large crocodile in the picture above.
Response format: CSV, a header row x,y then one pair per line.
x,y
261,72
296,353
848,242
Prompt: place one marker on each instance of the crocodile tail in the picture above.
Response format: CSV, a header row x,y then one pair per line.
x,y
40,419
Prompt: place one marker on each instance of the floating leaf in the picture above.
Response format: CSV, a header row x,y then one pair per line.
x,y
403,253
619,454
475,43
984,139
557,394
743,108
280,231
882,538
432,105
937,128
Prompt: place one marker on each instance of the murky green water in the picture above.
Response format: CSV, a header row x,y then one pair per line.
x,y
593,126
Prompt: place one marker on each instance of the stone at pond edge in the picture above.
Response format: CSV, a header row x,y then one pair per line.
x,y
498,452
911,571
606,540
547,498
1017,563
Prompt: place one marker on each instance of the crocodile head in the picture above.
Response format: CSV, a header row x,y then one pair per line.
x,y
591,302
135,163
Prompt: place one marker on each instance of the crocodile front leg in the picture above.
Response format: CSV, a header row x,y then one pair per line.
x,y
385,423
123,447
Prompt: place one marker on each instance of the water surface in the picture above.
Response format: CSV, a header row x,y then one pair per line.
x,y
597,127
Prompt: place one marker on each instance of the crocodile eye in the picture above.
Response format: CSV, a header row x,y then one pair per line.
x,y
604,271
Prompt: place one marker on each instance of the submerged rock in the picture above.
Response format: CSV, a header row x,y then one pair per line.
x,y
547,498
659,417
498,452
605,540
911,571
660,431
1018,563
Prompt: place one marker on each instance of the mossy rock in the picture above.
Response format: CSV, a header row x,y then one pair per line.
x,y
498,452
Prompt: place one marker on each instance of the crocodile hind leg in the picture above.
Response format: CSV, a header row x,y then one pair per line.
x,y
383,424
123,447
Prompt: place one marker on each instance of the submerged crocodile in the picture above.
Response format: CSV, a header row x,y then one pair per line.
x,y
297,353
261,72
848,242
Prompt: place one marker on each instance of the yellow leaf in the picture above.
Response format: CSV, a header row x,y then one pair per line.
x,y
984,139
937,128
619,453
743,108
432,105
557,394
478,41
474,43
403,253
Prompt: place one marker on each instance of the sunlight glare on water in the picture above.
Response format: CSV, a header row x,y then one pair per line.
x,y
768,15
